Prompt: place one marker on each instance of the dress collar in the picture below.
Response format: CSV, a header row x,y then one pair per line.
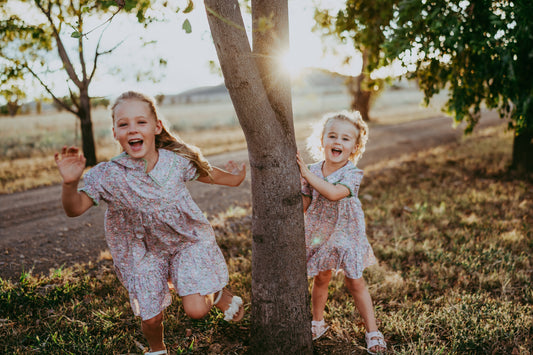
x,y
161,171
348,166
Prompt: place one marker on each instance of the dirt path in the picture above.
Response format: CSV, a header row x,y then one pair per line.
x,y
35,233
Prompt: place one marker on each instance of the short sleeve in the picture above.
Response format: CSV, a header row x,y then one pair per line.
x,y
351,178
190,172
93,182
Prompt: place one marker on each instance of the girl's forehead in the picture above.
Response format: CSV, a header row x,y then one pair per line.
x,y
132,107
340,126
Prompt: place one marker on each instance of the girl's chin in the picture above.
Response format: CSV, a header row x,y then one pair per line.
x,y
337,160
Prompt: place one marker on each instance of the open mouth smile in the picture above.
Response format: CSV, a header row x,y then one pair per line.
x,y
336,152
135,144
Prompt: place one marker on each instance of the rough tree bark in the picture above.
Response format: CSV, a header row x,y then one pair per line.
x,y
261,97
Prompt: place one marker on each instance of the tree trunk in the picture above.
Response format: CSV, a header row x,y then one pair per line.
x,y
13,108
523,151
281,320
86,124
360,97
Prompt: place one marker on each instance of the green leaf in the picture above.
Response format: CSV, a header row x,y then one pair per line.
x,y
187,26
189,8
75,34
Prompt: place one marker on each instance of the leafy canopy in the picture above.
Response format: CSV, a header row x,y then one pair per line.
x,y
481,50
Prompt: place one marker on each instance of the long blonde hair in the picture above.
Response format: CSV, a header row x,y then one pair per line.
x,y
314,141
165,140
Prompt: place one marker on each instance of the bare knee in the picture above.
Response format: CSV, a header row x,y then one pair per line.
x,y
195,306
355,285
322,278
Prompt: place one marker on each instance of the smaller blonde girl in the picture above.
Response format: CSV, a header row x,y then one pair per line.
x,y
334,220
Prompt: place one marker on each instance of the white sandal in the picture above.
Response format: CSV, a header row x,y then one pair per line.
x,y
234,307
160,352
318,328
375,339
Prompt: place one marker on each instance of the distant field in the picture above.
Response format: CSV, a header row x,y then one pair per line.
x,y
27,142
32,135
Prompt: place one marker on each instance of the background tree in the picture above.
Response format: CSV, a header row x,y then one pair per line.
x,y
481,50
261,96
13,96
28,42
363,24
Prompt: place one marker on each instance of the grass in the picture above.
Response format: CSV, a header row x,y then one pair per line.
x,y
28,143
450,226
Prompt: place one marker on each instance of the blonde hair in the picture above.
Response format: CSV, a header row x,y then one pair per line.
x,y
314,141
165,140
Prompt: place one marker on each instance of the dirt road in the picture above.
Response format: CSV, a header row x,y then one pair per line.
x,y
36,235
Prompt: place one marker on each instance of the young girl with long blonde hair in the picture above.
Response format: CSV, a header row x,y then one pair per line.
x,y
154,230
334,221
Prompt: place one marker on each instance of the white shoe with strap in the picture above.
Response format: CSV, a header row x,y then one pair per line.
x,y
235,308
374,339
160,352
318,328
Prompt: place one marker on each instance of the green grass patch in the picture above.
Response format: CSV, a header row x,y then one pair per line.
x,y
450,226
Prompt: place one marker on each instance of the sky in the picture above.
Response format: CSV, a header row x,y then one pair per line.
x,y
187,55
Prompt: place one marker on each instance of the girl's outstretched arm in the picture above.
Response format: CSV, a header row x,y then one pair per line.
x,y
328,190
233,175
71,163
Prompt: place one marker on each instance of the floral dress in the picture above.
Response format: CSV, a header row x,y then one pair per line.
x,y
155,231
335,236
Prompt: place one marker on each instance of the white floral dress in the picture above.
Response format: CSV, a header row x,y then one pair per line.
x,y
335,234
155,231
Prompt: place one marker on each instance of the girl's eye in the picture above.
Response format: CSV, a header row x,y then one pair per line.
x,y
122,124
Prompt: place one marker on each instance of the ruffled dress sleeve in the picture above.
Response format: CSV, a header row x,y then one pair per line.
x,y
350,177
94,183
190,172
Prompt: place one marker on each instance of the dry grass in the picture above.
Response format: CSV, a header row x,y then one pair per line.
x,y
450,226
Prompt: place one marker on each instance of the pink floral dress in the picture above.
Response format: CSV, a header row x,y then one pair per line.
x,y
155,231
335,234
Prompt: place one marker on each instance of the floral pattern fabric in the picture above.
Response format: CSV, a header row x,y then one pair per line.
x,y
155,231
335,235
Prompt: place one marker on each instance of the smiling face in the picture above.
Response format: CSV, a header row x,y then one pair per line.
x,y
135,127
339,141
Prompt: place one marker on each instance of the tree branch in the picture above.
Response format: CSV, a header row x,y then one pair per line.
x,y
97,53
54,97
60,48
80,50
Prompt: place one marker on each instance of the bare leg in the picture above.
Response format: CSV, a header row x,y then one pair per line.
x,y
363,302
153,332
197,306
319,294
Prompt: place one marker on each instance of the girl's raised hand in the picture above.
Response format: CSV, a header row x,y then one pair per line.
x,y
70,163
236,169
